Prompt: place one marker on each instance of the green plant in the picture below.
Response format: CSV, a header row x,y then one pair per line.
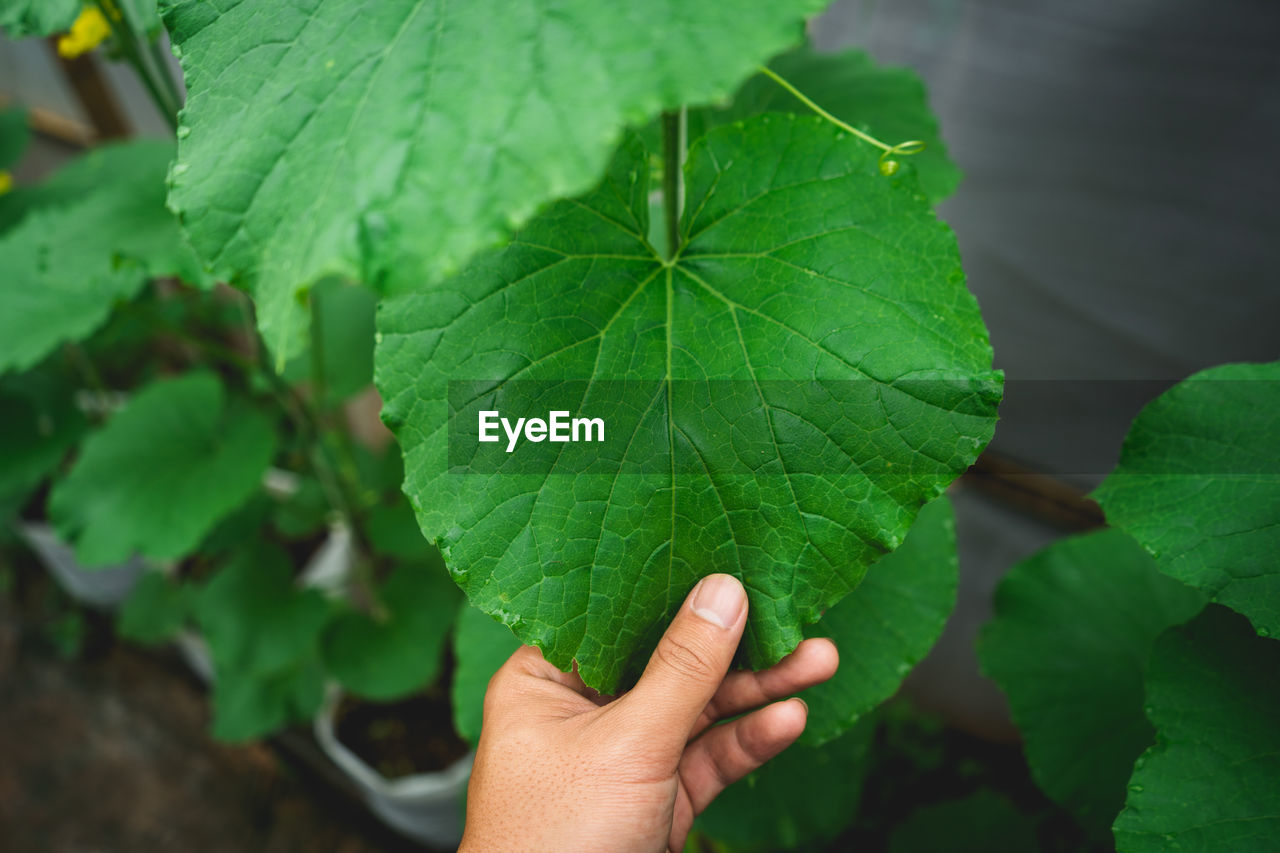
x,y
1142,723
607,210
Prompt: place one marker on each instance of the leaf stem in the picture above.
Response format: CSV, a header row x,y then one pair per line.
x,y
338,492
318,389
673,151
88,372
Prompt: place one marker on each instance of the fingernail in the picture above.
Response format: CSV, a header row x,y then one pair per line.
x,y
802,702
719,599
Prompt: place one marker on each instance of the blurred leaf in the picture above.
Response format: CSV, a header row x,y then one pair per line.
x,y
887,624
806,795
39,425
344,315
264,637
1212,781
980,823
481,645
155,610
14,134
248,708
380,471
388,657
23,18
176,459
243,525
393,531
79,250
302,513
1068,645
1198,485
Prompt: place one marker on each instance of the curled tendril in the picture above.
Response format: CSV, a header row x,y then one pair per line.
x,y
889,166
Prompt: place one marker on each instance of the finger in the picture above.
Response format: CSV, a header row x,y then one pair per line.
x,y
527,662
690,661
724,754
813,662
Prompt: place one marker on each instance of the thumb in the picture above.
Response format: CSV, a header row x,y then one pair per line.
x,y
691,659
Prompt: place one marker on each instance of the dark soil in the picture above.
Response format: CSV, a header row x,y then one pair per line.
x,y
398,739
105,748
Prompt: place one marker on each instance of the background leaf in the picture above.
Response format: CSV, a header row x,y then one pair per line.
x,y
156,609
345,314
805,795
162,472
481,645
1073,628
1212,781
885,626
1198,485
90,240
22,18
14,135
794,293
984,821
440,125
264,638
40,425
387,657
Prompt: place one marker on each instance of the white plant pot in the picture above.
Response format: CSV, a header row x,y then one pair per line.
x,y
427,807
103,588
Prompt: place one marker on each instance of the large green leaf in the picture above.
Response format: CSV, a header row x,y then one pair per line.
x,y
390,654
1069,643
886,625
1198,484
889,103
782,398
1212,781
264,637
162,472
805,795
387,141
90,241
481,646
22,18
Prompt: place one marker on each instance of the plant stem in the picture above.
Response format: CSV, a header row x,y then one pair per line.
x,y
123,29
318,390
673,150
88,372
318,452
328,472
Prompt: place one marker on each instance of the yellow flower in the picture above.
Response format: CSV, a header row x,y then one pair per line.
x,y
87,32
6,181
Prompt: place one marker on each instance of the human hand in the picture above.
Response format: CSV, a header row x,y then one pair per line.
x,y
561,768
